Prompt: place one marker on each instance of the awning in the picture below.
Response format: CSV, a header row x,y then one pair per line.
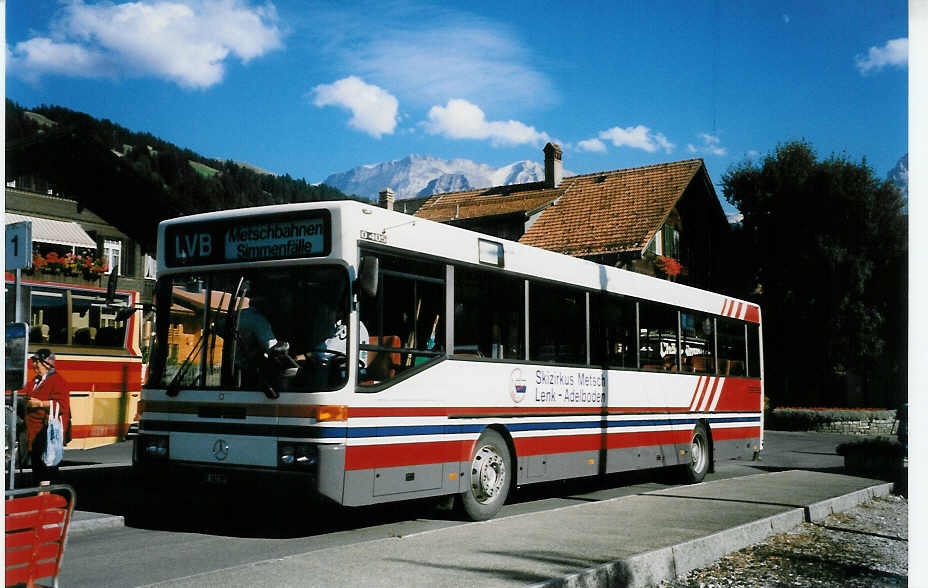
x,y
46,230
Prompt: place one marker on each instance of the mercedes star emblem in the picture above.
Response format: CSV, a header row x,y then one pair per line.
x,y
220,449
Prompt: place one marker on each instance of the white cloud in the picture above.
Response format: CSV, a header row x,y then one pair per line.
x,y
42,55
895,53
457,55
711,145
373,109
593,145
462,120
637,137
187,42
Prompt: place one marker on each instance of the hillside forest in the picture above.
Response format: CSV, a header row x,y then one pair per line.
x,y
135,180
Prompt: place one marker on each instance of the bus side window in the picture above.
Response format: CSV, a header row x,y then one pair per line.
x,y
753,351
489,310
698,342
732,347
658,334
612,335
557,324
405,321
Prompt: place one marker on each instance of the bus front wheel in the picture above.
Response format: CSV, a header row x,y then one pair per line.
x,y
488,478
700,455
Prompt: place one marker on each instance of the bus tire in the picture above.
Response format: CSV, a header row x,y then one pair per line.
x,y
488,478
700,455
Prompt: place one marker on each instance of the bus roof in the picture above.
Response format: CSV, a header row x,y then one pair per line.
x,y
363,224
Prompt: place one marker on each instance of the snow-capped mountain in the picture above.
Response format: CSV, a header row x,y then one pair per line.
x,y
416,175
899,175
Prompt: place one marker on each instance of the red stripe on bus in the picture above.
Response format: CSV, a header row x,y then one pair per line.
x,y
559,444
646,438
501,411
725,434
752,315
365,457
106,430
740,395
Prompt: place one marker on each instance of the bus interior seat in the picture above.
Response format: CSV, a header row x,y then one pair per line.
x,y
110,336
699,364
82,336
39,334
382,365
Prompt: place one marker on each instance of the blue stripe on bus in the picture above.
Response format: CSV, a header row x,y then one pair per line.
x,y
412,430
316,432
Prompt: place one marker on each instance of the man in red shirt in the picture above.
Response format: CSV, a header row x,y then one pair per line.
x,y
48,386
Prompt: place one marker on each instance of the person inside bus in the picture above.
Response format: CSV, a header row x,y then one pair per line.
x,y
46,387
256,343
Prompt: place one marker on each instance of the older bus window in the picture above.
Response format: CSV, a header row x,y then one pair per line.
x,y
71,316
489,314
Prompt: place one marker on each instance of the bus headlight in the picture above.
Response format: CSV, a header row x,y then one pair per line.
x,y
301,456
153,447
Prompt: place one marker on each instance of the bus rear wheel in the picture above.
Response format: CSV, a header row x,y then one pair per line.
x,y
488,478
700,455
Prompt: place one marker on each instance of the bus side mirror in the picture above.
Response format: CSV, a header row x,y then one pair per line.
x,y
111,287
368,275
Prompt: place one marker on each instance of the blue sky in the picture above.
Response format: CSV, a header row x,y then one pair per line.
x,y
311,89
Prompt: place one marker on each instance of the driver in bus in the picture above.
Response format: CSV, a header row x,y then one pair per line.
x,y
256,343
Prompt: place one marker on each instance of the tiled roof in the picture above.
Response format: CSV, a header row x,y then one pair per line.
x,y
613,211
488,202
604,212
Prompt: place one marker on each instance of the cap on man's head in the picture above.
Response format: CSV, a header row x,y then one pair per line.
x,y
45,356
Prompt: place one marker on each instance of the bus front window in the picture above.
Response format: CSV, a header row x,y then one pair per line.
x,y
269,329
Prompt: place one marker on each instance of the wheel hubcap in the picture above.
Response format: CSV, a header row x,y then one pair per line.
x,y
487,474
698,452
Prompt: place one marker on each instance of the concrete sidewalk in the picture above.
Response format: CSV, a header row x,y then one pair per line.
x,y
629,541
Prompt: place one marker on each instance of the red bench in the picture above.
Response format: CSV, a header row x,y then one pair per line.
x,y
37,522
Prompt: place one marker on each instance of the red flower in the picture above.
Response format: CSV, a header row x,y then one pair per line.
x,y
668,265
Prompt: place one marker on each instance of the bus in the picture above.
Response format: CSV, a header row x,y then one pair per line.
x,y
367,356
96,339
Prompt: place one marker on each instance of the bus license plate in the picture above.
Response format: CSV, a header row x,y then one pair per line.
x,y
217,479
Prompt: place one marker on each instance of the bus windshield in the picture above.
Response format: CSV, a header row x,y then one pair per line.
x,y
269,329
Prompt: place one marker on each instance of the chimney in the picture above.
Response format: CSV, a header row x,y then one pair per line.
x,y
387,198
554,169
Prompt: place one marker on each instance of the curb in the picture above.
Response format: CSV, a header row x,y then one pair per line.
x,y
79,527
820,510
667,563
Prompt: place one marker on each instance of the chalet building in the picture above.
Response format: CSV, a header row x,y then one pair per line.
x,y
61,226
662,220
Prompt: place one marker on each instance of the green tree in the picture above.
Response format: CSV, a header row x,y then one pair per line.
x,y
825,242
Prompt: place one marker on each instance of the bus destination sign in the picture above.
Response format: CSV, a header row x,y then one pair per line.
x,y
298,238
248,239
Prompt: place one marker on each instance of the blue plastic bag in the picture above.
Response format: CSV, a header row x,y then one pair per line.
x,y
54,446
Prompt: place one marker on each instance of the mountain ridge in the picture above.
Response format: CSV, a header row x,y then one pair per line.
x,y
423,175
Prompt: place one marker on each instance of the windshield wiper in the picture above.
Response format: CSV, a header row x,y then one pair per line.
x,y
173,388
231,334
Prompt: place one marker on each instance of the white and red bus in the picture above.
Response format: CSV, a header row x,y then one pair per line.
x,y
401,358
96,346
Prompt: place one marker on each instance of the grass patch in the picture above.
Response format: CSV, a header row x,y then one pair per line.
x,y
204,170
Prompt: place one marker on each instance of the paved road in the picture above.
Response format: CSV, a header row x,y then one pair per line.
x,y
182,537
